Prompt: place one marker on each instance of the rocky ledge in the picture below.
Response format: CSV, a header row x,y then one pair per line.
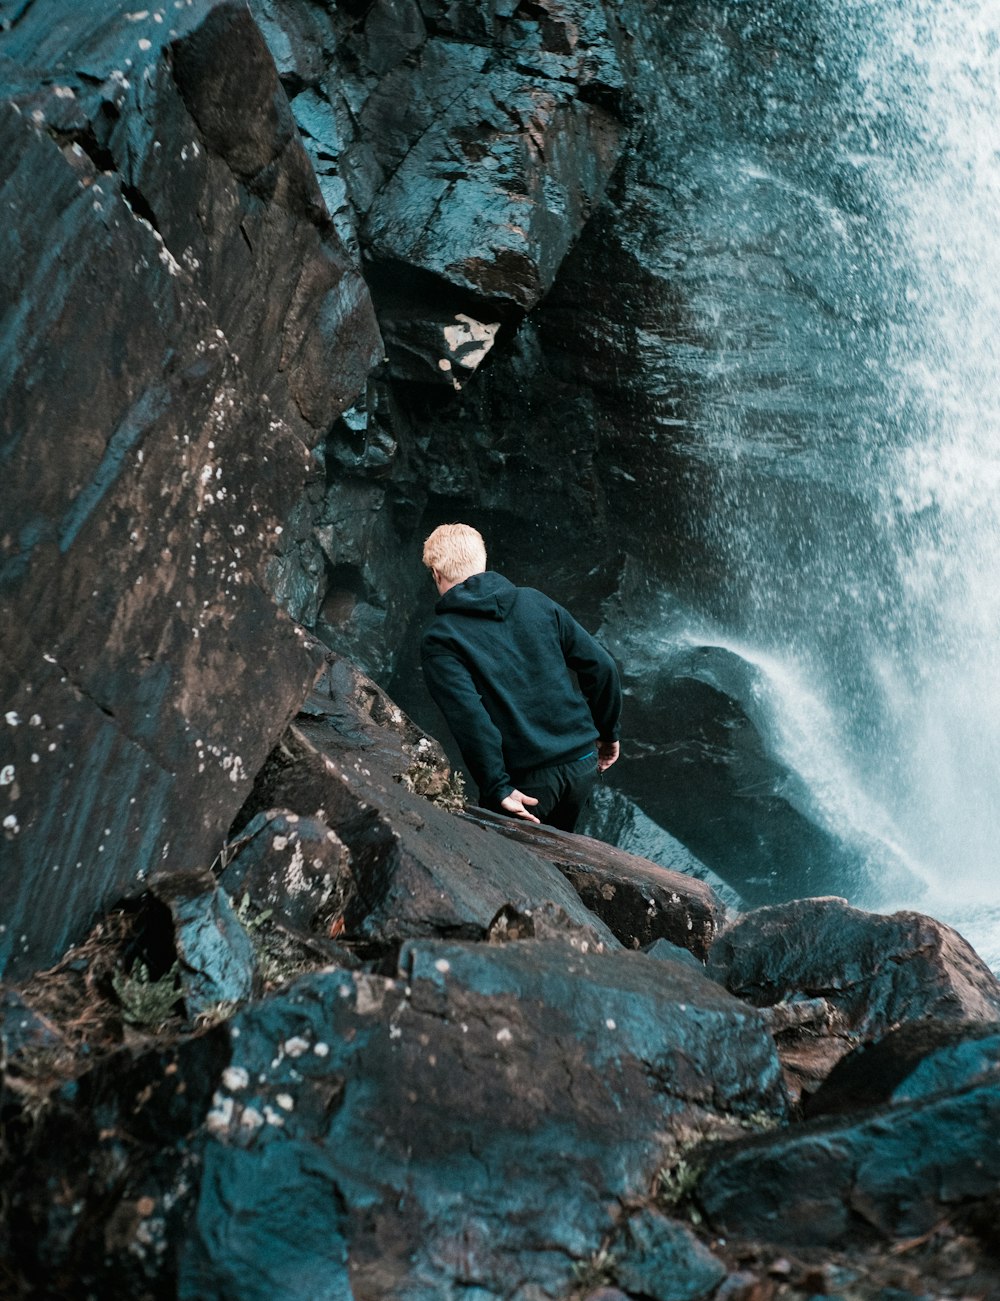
x,y
391,1047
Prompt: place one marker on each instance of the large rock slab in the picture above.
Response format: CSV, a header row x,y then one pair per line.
x,y
639,901
179,327
414,868
352,762
470,1124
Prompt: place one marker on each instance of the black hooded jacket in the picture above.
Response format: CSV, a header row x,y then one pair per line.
x,y
497,660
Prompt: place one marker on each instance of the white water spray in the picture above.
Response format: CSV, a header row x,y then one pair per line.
x,y
848,304
938,64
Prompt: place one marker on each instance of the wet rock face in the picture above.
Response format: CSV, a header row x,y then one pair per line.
x,y
462,148
464,145
180,327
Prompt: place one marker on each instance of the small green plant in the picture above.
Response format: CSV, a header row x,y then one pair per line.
x,y
146,1002
759,1122
436,784
248,917
215,1014
595,1272
280,957
675,1184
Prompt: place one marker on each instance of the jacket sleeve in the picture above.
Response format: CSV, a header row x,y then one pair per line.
x,y
596,672
479,740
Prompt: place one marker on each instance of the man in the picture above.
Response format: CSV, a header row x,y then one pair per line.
x,y
498,661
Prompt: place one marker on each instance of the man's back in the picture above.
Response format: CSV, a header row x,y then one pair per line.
x,y
499,661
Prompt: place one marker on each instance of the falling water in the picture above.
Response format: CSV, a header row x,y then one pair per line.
x,y
845,287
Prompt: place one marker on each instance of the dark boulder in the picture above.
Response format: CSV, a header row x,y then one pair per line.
x,y
919,1059
710,768
215,958
834,976
637,900
876,971
180,326
470,1124
414,868
890,1174
663,1260
294,868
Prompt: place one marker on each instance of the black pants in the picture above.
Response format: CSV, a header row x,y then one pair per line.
x,y
561,789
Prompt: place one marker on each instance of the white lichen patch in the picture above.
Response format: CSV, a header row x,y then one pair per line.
x,y
504,1036
169,261
285,1101
442,965
295,1046
469,340
7,775
13,717
220,1118
295,876
235,1077
321,1049
369,993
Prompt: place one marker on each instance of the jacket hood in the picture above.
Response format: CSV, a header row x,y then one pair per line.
x,y
485,596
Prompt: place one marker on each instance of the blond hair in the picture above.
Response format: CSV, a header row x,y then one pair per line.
x,y
456,551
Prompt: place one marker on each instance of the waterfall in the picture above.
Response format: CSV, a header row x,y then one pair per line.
x,y
838,184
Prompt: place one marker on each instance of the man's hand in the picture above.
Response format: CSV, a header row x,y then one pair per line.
x,y
607,754
515,803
